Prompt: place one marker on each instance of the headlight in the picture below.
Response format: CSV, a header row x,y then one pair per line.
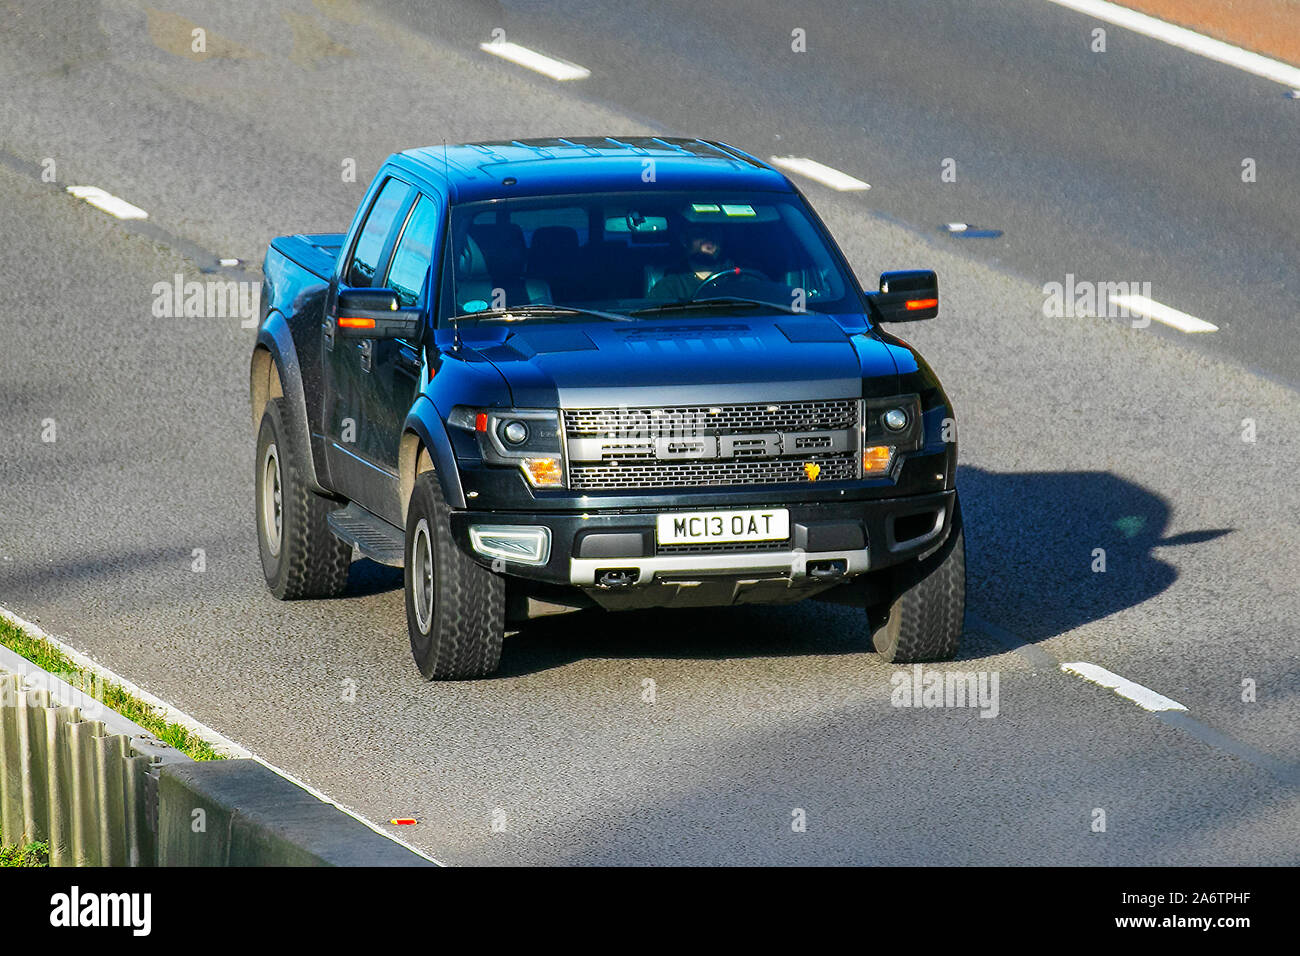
x,y
890,426
526,438
895,419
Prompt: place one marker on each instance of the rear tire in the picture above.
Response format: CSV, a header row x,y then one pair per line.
x,y
301,558
923,619
455,608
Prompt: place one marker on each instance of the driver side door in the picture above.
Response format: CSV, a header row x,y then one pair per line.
x,y
349,363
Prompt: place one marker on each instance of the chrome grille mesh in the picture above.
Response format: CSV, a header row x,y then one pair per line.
x,y
690,420
630,460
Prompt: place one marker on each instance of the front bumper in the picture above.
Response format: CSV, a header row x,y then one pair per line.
x,y
830,542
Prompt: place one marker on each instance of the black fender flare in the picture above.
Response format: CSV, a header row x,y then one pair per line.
x,y
424,427
274,337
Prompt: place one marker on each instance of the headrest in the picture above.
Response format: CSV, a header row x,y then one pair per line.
x,y
470,263
503,246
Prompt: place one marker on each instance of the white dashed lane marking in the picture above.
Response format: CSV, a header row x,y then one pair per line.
x,y
108,202
1186,39
1141,305
1144,697
816,171
540,62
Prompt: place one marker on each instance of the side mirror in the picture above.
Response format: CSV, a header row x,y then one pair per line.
x,y
375,314
907,296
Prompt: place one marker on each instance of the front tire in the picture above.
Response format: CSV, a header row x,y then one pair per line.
x,y
922,621
301,558
455,608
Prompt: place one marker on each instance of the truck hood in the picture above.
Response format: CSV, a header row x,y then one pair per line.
x,y
686,360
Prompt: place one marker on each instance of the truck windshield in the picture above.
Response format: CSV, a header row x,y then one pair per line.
x,y
640,253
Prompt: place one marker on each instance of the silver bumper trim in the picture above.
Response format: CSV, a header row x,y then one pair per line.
x,y
582,571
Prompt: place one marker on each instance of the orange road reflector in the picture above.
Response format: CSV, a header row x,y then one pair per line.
x,y
403,822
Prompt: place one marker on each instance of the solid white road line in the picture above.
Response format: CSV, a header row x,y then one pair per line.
x,y
548,65
222,744
1144,697
108,202
1141,305
1190,40
822,174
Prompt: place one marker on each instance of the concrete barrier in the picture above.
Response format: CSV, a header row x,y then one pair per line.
x,y
103,791
242,813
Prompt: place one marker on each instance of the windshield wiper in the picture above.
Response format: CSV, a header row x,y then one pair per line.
x,y
524,311
716,302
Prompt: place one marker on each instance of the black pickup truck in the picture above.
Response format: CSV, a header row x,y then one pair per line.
x,y
622,373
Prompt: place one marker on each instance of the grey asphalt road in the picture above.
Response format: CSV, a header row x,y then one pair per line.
x,y
1077,434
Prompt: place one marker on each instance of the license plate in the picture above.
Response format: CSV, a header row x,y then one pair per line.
x,y
694,527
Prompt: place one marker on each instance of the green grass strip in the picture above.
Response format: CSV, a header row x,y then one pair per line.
x,y
33,854
48,657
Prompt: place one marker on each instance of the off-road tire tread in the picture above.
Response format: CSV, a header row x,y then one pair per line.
x,y
469,601
314,563
924,620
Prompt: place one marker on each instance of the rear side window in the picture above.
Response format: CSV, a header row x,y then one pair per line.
x,y
410,266
530,220
379,223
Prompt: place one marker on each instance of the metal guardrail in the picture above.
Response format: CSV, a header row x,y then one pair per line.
x,y
75,775
102,791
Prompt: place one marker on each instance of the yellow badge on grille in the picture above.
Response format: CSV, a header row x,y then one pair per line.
x,y
812,470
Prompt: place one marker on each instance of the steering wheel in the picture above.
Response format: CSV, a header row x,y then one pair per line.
x,y
735,272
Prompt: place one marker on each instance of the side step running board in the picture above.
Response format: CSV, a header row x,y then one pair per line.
x,y
373,536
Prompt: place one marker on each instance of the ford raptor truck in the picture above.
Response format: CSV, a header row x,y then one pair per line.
x,y
595,372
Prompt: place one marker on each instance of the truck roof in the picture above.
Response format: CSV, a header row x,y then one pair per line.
x,y
582,164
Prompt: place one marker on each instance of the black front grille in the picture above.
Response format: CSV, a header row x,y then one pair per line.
x,y
630,460
691,474
694,420
713,547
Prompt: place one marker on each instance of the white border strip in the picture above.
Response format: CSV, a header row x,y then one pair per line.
x,y
1141,305
220,743
1190,40
547,65
825,175
1144,697
108,202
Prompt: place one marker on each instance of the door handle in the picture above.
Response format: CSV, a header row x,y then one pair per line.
x,y
367,349
327,333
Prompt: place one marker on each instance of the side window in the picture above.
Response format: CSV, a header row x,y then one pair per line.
x,y
379,222
414,252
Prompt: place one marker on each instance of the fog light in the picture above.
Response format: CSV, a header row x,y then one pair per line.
x,y
876,459
543,472
516,433
895,419
515,543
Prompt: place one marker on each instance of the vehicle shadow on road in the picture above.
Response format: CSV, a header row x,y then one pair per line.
x,y
1033,540
1051,551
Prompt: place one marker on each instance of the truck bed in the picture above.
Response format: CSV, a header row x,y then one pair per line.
x,y
316,252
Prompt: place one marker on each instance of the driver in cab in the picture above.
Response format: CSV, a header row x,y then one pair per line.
x,y
704,258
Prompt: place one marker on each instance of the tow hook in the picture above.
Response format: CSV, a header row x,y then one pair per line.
x,y
827,570
617,577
